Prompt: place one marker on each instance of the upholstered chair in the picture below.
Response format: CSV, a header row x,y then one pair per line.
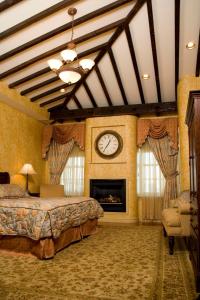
x,y
176,219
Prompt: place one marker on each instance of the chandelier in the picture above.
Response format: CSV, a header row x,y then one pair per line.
x,y
61,67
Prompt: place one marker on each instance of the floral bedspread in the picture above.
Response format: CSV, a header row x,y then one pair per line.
x,y
41,217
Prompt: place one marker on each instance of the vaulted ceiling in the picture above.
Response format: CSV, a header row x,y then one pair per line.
x,y
125,38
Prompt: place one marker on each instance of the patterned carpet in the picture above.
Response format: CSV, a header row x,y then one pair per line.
x,y
120,262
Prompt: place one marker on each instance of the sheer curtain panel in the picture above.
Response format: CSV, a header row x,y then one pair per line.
x,y
150,185
73,174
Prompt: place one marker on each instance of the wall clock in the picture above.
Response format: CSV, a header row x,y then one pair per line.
x,y
108,144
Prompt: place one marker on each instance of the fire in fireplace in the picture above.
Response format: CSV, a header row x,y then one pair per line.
x,y
111,193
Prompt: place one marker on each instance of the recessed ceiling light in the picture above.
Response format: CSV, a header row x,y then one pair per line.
x,y
190,45
145,76
62,90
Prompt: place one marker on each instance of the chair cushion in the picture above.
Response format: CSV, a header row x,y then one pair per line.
x,y
171,217
183,197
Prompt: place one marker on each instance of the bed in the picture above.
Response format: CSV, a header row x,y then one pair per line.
x,y
43,226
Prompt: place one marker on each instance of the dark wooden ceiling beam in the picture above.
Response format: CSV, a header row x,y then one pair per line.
x,y
7,4
134,62
154,50
51,52
52,33
197,73
135,109
49,92
46,70
62,96
39,85
41,15
104,88
113,38
118,77
29,77
177,41
89,94
77,102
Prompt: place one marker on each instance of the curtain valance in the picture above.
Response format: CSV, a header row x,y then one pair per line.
x,y
62,135
156,129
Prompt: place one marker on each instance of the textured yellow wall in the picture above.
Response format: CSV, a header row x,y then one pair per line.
x,y
185,85
121,167
12,98
20,142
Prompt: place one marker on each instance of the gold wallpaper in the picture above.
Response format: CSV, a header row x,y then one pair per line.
x,y
12,98
20,137
185,85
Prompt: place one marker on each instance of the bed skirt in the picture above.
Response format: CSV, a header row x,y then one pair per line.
x,y
47,247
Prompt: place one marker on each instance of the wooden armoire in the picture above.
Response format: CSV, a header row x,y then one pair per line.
x,y
193,122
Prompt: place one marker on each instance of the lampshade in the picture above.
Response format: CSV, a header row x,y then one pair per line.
x,y
54,64
69,74
27,169
87,64
68,55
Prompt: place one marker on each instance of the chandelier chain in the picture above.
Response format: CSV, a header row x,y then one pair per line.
x,y
72,33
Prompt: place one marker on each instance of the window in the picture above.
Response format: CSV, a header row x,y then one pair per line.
x,y
150,180
73,175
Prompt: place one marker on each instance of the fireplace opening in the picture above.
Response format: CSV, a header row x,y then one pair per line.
x,y
110,193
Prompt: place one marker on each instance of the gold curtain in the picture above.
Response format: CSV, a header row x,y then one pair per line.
x,y
166,157
157,129
162,136
62,135
57,157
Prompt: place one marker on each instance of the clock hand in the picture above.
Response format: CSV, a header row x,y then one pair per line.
x,y
106,145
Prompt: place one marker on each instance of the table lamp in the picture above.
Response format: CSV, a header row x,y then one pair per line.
x,y
27,169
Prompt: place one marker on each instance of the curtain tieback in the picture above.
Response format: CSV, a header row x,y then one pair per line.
x,y
173,176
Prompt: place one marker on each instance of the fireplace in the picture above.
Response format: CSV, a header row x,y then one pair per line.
x,y
110,193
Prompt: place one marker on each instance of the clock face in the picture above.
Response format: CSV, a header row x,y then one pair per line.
x,y
108,144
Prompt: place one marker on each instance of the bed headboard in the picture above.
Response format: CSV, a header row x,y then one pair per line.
x,y
4,177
